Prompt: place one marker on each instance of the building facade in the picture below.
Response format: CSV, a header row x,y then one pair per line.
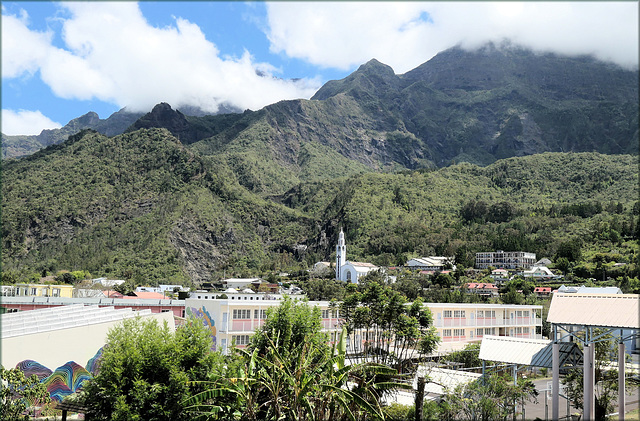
x,y
38,290
235,321
505,259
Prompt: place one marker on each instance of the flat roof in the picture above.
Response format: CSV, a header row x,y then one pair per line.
x,y
63,301
64,317
602,310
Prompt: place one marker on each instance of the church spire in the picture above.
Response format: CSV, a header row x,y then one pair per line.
x,y
341,254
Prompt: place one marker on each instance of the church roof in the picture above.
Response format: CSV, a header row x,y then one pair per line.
x,y
364,265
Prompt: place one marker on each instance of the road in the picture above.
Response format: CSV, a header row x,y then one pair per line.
x,y
537,410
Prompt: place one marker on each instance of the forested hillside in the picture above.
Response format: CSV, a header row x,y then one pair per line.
x,y
145,207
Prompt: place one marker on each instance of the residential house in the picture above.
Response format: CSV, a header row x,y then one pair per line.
x,y
482,289
42,290
541,273
499,275
542,292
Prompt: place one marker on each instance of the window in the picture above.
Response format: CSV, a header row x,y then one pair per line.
x,y
34,291
458,332
56,292
446,332
518,313
259,314
241,339
447,313
480,313
479,332
525,314
459,313
489,330
241,314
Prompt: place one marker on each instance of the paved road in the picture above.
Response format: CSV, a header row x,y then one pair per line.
x,y
537,410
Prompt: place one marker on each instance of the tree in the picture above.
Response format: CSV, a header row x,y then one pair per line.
x,y
384,327
290,372
469,356
490,398
145,369
21,397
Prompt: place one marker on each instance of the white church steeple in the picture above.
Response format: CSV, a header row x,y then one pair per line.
x,y
341,254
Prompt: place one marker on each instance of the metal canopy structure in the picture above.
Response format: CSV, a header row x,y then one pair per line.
x,y
530,352
588,319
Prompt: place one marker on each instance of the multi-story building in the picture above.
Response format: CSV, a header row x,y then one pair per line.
x,y
505,259
458,324
235,321
39,290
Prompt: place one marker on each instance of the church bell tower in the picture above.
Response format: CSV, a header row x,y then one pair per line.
x,y
341,254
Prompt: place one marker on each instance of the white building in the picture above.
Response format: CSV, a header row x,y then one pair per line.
x,y
505,259
540,272
349,271
435,263
235,320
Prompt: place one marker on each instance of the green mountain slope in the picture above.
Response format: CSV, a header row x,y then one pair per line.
x,y
144,206
138,205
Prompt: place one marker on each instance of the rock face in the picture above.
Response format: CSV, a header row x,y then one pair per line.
x,y
163,116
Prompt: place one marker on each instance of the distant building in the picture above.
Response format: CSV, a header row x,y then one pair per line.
x,y
349,271
588,290
482,289
505,259
432,263
499,275
542,292
108,282
40,290
540,272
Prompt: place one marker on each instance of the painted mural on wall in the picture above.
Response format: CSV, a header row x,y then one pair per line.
x,y
66,379
204,316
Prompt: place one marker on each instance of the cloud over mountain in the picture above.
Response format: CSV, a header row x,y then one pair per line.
x,y
405,35
111,53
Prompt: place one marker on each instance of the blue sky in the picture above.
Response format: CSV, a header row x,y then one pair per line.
x,y
61,60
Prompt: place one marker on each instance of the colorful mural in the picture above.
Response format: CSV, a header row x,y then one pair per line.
x,y
66,379
207,320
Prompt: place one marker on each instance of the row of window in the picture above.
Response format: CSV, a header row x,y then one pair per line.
x,y
481,331
240,340
245,314
481,313
329,314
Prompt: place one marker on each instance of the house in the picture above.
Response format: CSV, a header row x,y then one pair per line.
x,y
499,275
162,288
110,283
482,289
542,292
42,290
505,259
240,283
540,272
349,271
147,295
432,263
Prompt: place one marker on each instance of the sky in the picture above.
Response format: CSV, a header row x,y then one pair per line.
x,y
62,60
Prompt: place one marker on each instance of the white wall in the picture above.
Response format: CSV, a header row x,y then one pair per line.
x,y
57,347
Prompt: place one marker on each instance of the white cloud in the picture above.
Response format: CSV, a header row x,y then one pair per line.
x,y
23,122
113,54
404,35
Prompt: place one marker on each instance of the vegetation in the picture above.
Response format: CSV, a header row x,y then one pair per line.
x,y
390,327
145,369
289,371
22,398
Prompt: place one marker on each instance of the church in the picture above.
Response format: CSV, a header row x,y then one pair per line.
x,y
349,271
